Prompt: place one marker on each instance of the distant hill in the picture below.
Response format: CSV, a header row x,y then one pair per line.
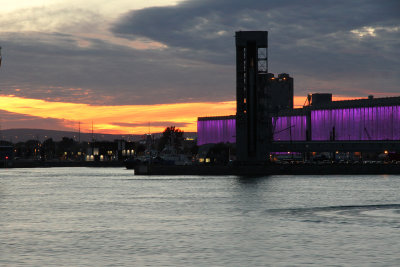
x,y
22,135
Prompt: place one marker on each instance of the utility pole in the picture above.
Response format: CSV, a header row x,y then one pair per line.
x,y
79,132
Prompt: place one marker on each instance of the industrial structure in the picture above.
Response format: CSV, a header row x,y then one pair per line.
x,y
266,121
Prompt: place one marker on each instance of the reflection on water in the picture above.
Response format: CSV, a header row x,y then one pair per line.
x,y
109,217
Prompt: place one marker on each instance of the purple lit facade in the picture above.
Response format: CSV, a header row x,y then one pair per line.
x,y
216,131
360,123
364,123
289,128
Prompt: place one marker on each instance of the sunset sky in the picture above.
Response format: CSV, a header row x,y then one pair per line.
x,y
125,64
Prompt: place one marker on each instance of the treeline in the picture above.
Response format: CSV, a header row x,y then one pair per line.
x,y
171,142
69,149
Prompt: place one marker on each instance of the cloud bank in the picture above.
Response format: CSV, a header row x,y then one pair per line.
x,y
349,47
185,53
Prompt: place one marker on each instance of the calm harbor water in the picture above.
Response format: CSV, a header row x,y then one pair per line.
x,y
109,217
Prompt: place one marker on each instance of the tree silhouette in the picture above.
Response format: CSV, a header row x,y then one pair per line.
x,y
171,136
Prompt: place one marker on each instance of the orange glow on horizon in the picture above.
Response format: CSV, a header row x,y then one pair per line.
x,y
124,119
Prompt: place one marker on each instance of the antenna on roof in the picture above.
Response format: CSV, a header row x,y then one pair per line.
x,y
308,100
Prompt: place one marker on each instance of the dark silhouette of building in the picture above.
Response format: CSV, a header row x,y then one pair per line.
x,y
258,95
267,122
252,102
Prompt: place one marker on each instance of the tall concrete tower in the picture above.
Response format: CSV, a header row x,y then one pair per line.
x,y
253,123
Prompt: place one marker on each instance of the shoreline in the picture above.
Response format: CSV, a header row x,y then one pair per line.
x,y
272,170
243,170
50,164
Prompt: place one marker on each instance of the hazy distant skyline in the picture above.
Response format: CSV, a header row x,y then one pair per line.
x,y
104,54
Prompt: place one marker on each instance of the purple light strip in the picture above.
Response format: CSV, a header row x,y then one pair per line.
x,y
216,131
289,128
366,123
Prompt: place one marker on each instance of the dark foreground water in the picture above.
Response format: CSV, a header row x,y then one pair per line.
x,y
109,217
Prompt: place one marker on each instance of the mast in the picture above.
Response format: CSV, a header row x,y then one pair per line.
x,y
92,133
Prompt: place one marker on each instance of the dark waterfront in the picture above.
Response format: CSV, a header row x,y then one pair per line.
x,y
109,217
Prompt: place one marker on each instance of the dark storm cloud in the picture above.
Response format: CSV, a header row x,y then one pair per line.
x,y
313,40
102,73
210,24
345,47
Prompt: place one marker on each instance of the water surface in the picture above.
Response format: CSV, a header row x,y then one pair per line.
x,y
110,217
